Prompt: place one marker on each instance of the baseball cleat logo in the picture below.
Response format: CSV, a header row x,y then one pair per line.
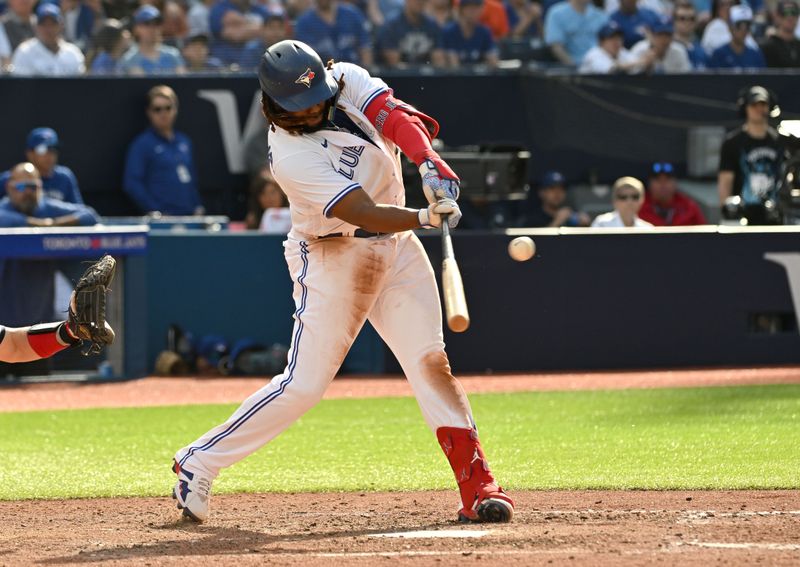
x,y
306,78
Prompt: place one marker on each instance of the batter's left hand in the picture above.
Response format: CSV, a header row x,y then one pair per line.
x,y
438,180
432,216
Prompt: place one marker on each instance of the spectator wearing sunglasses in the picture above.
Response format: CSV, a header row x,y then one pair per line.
x,y
737,54
685,24
159,169
25,204
782,49
58,181
664,205
628,196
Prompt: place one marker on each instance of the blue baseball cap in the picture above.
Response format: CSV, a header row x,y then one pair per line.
x,y
48,10
610,29
146,14
42,139
552,178
662,25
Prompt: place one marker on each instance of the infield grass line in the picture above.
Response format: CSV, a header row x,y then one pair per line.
x,y
704,438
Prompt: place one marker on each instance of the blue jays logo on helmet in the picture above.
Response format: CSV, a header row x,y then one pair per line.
x,y
306,78
293,76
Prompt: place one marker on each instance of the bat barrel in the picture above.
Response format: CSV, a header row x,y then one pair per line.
x,y
455,303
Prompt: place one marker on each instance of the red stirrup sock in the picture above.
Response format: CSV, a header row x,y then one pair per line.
x,y
475,480
47,339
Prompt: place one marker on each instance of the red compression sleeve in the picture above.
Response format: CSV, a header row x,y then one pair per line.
x,y
49,338
404,129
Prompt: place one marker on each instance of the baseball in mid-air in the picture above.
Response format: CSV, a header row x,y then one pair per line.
x,y
521,248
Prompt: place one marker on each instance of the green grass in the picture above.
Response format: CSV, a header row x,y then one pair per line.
x,y
743,437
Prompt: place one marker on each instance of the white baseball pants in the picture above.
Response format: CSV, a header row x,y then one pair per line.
x,y
338,284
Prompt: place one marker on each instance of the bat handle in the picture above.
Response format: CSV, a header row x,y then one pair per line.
x,y
447,243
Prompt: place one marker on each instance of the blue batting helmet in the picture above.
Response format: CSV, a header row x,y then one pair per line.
x,y
294,77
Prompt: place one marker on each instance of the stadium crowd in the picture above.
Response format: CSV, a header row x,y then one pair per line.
x,y
144,37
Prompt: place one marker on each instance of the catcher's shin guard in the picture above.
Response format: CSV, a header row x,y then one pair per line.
x,y
481,498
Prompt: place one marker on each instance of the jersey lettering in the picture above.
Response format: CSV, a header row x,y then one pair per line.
x,y
349,160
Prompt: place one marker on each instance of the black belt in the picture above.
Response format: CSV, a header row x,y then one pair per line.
x,y
359,233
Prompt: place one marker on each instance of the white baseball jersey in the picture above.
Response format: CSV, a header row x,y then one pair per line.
x,y
33,58
317,170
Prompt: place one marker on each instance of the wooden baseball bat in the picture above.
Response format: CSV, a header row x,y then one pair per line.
x,y
455,304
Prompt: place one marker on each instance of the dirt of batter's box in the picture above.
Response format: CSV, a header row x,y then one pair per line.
x,y
575,527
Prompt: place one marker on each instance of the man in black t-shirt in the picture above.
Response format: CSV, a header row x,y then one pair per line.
x,y
752,157
783,49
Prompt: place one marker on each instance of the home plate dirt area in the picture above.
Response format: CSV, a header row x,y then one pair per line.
x,y
411,528
574,527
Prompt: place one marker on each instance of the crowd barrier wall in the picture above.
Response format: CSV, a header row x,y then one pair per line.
x,y
588,300
591,127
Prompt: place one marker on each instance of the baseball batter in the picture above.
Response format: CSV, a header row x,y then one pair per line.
x,y
334,147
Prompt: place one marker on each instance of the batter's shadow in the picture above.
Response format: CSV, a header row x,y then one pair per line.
x,y
222,541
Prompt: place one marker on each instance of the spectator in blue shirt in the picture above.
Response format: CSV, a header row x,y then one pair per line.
x,y
570,29
737,54
109,44
58,181
274,29
685,24
25,204
234,23
411,38
466,40
159,169
633,21
336,31
150,56
196,54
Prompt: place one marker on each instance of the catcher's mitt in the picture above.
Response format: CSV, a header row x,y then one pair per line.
x,y
87,306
